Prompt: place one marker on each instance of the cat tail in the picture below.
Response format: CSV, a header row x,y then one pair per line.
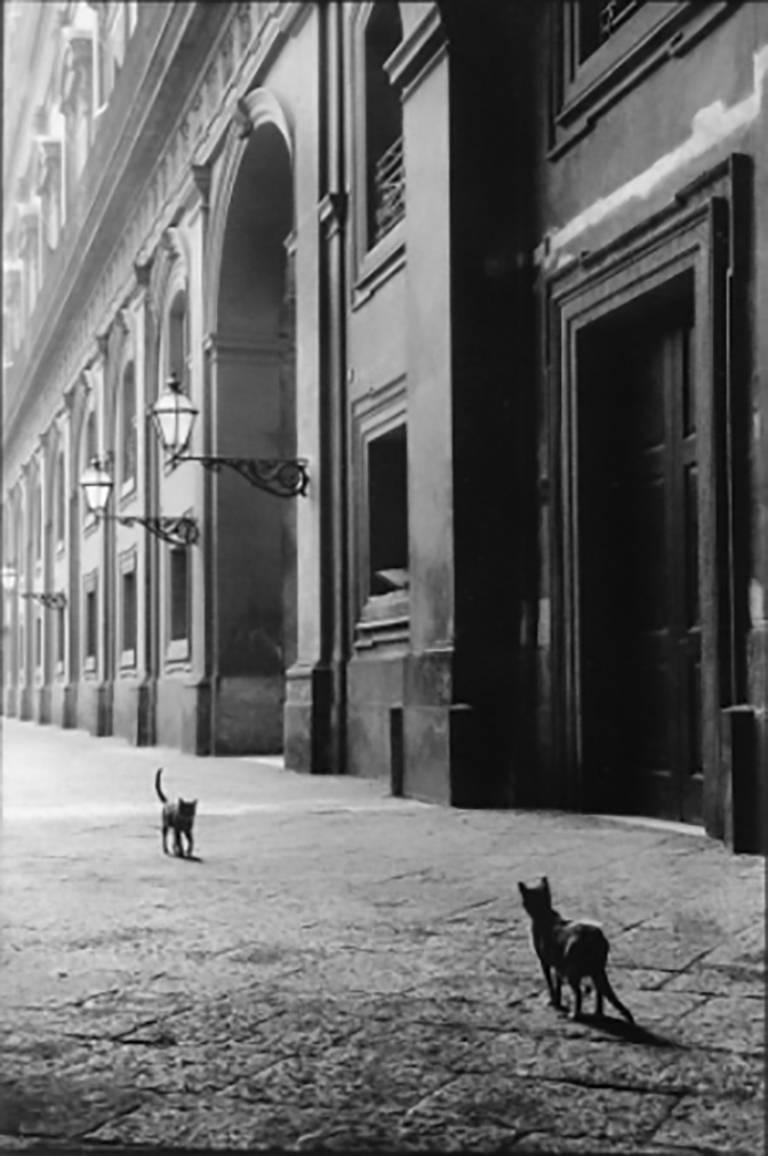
x,y
158,788
603,984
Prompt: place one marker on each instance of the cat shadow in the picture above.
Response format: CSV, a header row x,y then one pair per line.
x,y
631,1033
189,858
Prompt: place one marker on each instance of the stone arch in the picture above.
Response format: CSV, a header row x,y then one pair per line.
x,y
169,276
119,350
258,110
250,320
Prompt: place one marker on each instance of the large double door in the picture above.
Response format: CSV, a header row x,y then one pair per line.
x,y
639,637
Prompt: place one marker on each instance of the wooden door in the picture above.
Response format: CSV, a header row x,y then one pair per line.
x,y
640,628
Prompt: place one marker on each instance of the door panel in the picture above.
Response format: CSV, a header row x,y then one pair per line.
x,y
640,630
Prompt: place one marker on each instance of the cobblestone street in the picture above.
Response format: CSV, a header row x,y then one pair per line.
x,y
342,969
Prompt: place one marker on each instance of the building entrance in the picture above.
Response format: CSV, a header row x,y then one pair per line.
x,y
639,637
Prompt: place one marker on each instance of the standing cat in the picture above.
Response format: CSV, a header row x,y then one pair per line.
x,y
179,817
569,949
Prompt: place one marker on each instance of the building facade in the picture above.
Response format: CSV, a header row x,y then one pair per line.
x,y
494,273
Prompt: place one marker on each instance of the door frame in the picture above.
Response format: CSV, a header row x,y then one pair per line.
x,y
661,325
700,233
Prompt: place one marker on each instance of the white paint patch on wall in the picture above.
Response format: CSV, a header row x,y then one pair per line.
x,y
756,603
710,127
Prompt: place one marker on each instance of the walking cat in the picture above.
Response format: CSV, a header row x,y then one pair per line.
x,y
570,950
178,817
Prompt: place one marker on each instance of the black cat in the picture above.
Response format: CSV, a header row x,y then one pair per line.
x,y
570,950
178,817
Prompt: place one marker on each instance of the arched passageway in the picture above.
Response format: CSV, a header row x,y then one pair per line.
x,y
253,416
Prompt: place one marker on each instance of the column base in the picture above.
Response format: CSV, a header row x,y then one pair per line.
x,y
308,724
134,712
43,704
741,805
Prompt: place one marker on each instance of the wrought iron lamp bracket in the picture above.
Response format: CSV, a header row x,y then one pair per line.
x,y
51,601
182,531
281,477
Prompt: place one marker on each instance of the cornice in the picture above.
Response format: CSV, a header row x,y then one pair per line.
x,y
86,290
418,51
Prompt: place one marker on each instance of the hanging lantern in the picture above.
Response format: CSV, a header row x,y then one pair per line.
x,y
174,416
96,483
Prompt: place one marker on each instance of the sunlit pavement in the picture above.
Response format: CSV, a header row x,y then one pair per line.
x,y
344,969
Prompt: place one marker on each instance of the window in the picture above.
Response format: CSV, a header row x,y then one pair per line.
x,y
177,337
91,451
104,72
91,441
598,20
380,447
388,512
602,49
20,550
178,618
61,500
384,170
91,623
37,524
128,599
61,636
128,431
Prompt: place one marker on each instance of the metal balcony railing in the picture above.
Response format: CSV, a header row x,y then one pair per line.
x,y
599,20
613,13
389,189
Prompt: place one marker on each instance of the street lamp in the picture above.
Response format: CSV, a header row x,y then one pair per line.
x,y
174,415
96,483
9,577
51,600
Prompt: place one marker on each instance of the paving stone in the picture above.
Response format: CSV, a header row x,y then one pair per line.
x,y
726,1023
527,1105
359,979
550,1143
720,979
53,1106
737,1127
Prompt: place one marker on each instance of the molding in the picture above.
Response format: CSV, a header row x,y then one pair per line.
x,y
701,233
418,52
653,35
332,214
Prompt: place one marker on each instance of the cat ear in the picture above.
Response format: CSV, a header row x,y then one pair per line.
x,y
522,889
545,883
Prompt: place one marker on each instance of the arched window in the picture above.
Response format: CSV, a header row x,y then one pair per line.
x,y
384,169
90,451
37,523
20,555
91,440
177,337
128,429
61,500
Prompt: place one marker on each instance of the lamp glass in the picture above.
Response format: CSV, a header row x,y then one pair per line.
x,y
96,484
174,416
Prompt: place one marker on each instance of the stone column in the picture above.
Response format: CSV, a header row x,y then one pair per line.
x,y
315,711
43,675
137,318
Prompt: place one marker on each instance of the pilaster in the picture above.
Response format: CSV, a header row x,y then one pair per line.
x,y
315,718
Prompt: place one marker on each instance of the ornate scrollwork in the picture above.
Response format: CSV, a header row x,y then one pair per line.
x,y
51,601
182,531
282,477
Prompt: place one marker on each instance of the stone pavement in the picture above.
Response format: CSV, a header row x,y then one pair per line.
x,y
346,970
